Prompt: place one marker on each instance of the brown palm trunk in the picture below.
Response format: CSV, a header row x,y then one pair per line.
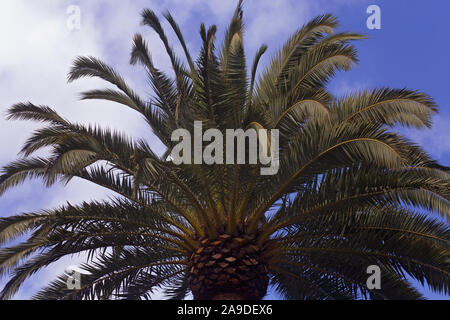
x,y
228,296
228,268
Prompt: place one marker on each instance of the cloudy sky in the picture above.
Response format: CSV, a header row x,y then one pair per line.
x,y
37,48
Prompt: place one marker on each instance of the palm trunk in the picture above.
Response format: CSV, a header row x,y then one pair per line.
x,y
228,268
228,296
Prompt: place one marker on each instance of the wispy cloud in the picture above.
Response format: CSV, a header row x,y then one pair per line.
x,y
436,140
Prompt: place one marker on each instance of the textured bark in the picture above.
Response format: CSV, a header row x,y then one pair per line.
x,y
228,268
228,296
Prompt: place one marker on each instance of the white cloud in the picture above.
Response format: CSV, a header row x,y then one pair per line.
x,y
345,87
435,140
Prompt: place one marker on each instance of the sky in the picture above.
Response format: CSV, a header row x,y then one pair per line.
x,y
39,43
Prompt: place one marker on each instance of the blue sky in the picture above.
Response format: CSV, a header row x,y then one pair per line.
x,y
411,50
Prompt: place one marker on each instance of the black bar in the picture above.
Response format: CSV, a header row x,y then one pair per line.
x,y
165,310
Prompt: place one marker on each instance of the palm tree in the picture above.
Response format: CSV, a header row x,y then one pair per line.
x,y
350,192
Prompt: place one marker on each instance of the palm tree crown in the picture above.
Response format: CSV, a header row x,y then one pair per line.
x,y
350,191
